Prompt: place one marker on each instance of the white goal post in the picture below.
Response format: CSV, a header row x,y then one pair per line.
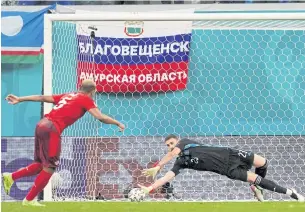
x,y
256,106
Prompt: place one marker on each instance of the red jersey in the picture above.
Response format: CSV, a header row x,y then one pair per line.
x,y
69,108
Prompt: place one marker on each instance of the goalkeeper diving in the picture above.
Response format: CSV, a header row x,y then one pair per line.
x,y
233,163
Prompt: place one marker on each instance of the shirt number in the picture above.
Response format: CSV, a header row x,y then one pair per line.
x,y
194,160
63,101
242,153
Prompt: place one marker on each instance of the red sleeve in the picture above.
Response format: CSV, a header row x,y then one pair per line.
x,y
89,104
57,98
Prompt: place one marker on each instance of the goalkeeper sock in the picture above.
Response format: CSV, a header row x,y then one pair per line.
x,y
30,170
269,185
40,182
262,171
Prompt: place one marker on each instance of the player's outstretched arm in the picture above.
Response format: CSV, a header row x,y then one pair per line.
x,y
168,157
96,113
12,99
160,182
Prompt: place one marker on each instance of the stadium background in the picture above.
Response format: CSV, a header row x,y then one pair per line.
x,y
215,118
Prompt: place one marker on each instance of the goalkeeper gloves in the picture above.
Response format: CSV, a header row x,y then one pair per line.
x,y
151,172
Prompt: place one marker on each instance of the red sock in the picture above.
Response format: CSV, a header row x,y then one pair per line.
x,y
40,182
30,170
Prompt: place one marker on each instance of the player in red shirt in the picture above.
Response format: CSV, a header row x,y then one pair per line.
x,y
68,109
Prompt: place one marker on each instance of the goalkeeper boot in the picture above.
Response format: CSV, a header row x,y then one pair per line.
x,y
33,203
258,192
7,182
300,198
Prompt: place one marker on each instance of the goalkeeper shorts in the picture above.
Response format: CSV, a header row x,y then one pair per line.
x,y
240,162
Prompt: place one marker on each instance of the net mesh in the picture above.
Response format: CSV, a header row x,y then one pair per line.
x,y
241,84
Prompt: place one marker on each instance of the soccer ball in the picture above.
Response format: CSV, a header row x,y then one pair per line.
x,y
136,195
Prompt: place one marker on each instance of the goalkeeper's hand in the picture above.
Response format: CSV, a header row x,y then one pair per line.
x,y
145,189
151,172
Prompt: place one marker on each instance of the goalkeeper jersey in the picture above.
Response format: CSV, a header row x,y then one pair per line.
x,y
201,157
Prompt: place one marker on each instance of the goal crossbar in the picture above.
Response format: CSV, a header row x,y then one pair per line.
x,y
174,16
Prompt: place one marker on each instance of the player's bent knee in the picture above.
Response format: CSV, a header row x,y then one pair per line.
x,y
259,161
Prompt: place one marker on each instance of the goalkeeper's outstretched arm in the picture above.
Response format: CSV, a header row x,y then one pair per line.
x,y
168,157
160,182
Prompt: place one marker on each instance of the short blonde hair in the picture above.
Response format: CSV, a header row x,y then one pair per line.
x,y
87,86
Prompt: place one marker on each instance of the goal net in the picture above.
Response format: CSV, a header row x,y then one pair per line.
x,y
237,83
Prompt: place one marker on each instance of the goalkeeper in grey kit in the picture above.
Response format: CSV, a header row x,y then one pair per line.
x,y
235,164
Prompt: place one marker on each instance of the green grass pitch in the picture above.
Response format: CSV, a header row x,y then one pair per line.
x,y
158,207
